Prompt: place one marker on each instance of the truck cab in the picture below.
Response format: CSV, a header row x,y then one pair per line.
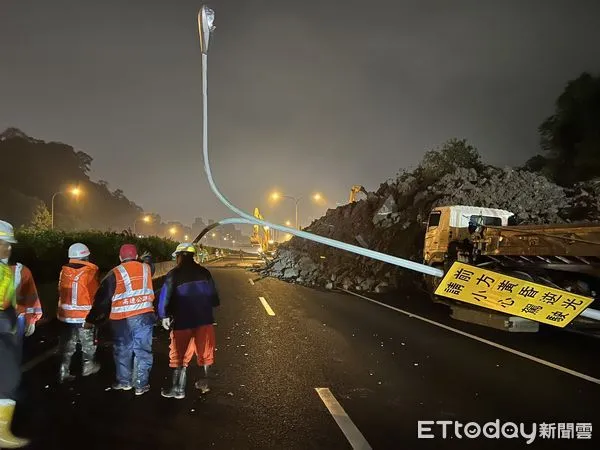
x,y
455,223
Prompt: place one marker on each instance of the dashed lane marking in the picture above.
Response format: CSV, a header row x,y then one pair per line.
x,y
352,433
267,307
583,376
251,281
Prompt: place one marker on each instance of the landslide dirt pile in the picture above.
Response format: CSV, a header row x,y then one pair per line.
x,y
390,220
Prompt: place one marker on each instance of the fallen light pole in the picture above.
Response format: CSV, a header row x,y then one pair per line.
x,y
206,18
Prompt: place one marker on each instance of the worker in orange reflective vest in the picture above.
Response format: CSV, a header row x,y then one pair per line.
x,y
77,286
10,372
126,298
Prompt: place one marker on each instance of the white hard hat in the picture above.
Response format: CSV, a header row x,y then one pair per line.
x,y
78,250
7,233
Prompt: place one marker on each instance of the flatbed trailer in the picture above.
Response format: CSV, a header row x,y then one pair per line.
x,y
563,256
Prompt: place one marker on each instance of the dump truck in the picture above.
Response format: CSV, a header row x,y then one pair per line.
x,y
561,256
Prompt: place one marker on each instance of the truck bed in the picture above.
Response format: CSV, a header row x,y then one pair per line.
x,y
569,240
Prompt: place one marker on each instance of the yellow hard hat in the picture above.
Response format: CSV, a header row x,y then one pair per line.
x,y
185,247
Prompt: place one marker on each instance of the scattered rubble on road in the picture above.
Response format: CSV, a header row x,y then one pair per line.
x,y
390,221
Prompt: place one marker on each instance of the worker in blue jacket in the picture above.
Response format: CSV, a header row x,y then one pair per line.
x,y
185,307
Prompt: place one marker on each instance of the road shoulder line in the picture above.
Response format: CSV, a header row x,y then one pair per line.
x,y
583,376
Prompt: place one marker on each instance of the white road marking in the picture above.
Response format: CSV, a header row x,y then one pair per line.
x,y
583,376
38,359
266,305
251,281
353,434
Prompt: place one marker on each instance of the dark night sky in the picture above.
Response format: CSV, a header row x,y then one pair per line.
x,y
303,95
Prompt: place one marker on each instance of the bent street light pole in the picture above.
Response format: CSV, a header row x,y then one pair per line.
x,y
205,26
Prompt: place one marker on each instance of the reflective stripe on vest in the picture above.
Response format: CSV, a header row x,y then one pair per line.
x,y
75,298
132,301
72,320
73,306
129,291
18,270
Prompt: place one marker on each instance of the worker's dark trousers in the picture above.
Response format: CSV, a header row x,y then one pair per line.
x,y
10,357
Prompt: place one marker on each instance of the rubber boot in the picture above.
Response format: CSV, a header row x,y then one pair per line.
x,y
7,439
90,368
173,391
181,382
202,383
64,374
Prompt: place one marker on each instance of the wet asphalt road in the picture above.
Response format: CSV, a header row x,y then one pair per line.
x,y
386,369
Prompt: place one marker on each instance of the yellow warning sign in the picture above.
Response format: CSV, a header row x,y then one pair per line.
x,y
510,295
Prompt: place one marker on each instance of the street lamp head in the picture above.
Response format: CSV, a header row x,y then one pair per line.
x,y
206,20
75,191
214,235
317,197
186,237
172,230
275,196
147,219
288,223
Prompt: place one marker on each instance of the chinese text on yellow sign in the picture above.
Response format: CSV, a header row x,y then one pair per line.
x,y
511,295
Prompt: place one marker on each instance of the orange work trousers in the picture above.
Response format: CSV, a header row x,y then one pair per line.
x,y
185,343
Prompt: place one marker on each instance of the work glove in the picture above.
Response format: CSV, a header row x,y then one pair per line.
x,y
166,323
29,329
145,255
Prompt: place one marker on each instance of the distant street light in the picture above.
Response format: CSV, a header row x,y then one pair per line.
x,y
146,219
277,196
186,237
172,230
288,223
75,192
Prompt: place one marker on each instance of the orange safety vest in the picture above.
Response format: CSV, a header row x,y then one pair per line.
x,y
76,290
134,294
28,301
